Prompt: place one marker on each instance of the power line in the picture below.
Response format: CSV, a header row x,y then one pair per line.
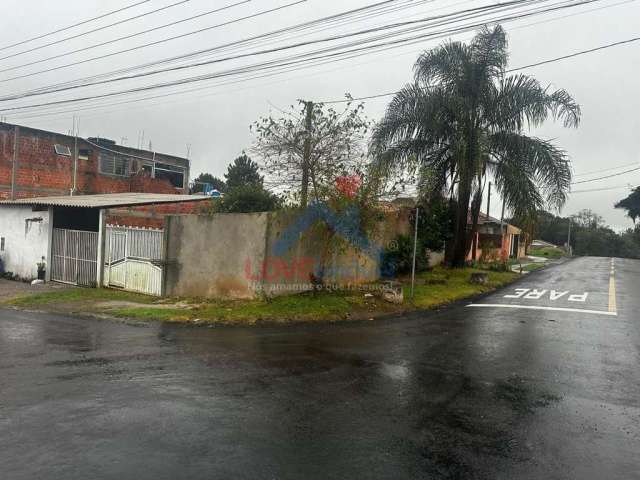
x,y
205,77
608,176
303,26
99,17
577,54
236,57
181,92
109,42
585,174
139,47
606,189
553,60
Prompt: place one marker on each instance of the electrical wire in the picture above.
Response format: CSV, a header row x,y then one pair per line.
x,y
146,45
586,174
369,11
200,78
607,177
64,29
104,27
544,62
260,52
621,187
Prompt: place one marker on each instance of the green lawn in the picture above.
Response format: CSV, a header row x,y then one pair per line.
x,y
434,288
548,252
444,286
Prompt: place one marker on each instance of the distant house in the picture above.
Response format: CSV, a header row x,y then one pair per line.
x,y
496,240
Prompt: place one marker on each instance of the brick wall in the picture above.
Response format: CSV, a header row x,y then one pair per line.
x,y
152,216
42,172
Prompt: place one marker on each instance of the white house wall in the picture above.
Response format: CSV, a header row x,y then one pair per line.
x,y
26,239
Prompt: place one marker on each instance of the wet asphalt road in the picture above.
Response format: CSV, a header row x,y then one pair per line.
x,y
469,392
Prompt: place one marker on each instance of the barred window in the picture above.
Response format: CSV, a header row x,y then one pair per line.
x,y
111,164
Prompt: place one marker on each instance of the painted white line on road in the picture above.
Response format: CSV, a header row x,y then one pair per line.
x,y
613,307
533,307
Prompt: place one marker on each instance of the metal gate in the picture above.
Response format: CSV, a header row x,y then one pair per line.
x,y
74,257
134,259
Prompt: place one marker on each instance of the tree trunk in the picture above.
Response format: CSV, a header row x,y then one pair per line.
x,y
462,218
476,205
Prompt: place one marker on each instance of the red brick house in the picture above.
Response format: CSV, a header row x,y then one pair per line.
x,y
38,163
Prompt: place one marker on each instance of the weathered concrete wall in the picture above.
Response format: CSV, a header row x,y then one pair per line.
x,y
245,255
207,256
26,239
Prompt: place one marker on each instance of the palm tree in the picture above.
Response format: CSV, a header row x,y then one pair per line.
x,y
463,119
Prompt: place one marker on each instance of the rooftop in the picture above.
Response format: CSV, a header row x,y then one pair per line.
x,y
110,200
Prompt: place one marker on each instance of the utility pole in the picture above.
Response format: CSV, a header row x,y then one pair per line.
x,y
415,252
306,160
569,239
489,201
15,165
76,128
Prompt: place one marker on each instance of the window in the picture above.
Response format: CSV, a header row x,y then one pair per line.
x,y
173,173
111,164
2,244
62,150
83,154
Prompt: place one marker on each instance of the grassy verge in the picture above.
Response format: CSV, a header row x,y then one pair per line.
x,y
433,289
548,252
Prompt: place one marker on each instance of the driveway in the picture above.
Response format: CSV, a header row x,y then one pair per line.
x,y
540,380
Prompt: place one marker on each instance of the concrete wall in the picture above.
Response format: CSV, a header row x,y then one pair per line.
x,y
246,255
208,256
26,239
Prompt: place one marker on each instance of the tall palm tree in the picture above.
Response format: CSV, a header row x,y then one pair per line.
x,y
464,118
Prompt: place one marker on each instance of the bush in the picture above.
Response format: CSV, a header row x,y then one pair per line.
x,y
247,199
397,258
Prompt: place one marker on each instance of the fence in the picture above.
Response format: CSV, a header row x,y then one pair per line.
x,y
134,259
74,257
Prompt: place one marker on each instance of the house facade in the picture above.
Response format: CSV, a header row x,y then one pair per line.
x,y
496,240
38,163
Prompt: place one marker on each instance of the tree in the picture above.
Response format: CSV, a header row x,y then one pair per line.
x,y
463,119
243,171
588,219
332,141
247,199
631,204
215,182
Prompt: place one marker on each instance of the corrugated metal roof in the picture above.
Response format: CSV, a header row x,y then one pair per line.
x,y
110,200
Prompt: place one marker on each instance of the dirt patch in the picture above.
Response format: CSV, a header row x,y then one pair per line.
x,y
10,289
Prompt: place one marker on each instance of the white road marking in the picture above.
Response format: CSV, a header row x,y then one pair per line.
x,y
553,309
613,307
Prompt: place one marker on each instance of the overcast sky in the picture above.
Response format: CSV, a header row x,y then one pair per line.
x,y
214,123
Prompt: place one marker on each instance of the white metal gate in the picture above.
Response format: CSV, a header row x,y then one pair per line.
x,y
74,257
134,259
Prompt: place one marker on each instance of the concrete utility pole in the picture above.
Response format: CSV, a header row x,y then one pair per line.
x,y
489,201
76,127
15,165
306,160
569,239
415,252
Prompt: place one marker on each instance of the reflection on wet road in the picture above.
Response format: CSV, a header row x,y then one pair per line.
x,y
485,392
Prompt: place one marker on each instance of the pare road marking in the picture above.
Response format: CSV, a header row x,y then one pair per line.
x,y
535,307
554,295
